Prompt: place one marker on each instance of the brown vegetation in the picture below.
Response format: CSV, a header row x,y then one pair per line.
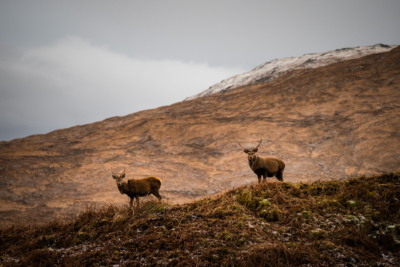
x,y
352,222
265,167
138,188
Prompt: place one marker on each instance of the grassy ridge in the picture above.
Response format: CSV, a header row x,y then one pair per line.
x,y
337,223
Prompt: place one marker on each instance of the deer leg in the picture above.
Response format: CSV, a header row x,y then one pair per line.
x,y
157,195
264,177
279,176
137,202
131,206
259,178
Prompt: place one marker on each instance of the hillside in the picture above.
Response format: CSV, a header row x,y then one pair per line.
x,y
333,223
327,123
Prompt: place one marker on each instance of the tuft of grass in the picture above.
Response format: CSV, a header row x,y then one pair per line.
x,y
272,213
81,237
317,234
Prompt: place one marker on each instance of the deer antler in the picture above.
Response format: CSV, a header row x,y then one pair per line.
x,y
258,144
113,171
241,145
123,171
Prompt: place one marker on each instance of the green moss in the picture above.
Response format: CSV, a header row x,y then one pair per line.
x,y
352,203
262,213
295,191
315,190
328,245
317,234
119,219
334,203
236,207
160,208
93,224
264,203
271,214
351,219
81,237
242,241
153,207
286,185
305,214
290,244
303,185
226,235
334,184
354,181
245,198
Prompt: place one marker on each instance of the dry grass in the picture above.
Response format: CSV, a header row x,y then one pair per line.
x,y
337,223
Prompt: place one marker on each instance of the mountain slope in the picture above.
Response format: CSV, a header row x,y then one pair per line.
x,y
276,68
331,122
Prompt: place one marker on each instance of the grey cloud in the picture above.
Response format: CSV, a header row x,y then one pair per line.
x,y
222,33
75,82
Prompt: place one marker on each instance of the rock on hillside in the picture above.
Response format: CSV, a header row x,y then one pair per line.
x,y
332,122
276,68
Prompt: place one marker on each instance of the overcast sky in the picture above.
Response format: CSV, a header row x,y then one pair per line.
x,y
65,63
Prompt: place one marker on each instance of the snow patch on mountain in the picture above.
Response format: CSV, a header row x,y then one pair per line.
x,y
276,68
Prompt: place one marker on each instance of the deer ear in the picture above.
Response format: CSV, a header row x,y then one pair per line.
x,y
246,151
123,175
255,149
114,176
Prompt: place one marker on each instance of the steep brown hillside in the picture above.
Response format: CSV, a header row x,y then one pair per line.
x,y
337,121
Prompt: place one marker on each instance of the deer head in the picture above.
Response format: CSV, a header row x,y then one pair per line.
x,y
251,153
117,177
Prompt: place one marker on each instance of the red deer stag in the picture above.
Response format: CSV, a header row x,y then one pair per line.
x,y
265,167
138,188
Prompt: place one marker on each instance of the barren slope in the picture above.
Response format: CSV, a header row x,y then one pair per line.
x,y
336,121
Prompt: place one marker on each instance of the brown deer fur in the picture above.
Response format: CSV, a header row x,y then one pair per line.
x,y
138,188
265,167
